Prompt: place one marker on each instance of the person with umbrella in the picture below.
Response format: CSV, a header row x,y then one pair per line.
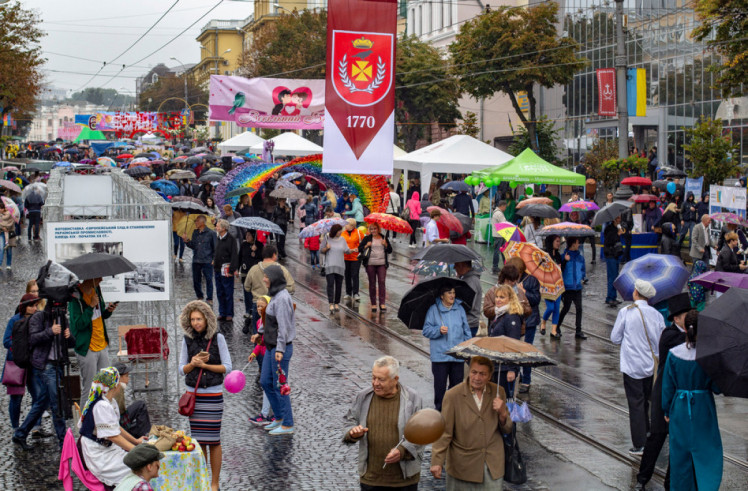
x,y
574,273
508,321
530,288
33,203
688,402
374,250
472,446
671,337
281,216
463,203
637,329
352,237
412,213
613,251
498,217
446,326
7,225
552,307
203,245
87,315
727,260
471,276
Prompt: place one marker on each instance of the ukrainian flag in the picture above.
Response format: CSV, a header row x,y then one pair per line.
x,y
636,91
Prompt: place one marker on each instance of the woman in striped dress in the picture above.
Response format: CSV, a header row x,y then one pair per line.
x,y
204,349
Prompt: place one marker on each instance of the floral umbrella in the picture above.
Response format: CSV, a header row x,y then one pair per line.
x,y
730,218
12,208
106,161
540,265
510,232
321,227
567,229
10,186
580,205
447,219
437,268
389,222
534,201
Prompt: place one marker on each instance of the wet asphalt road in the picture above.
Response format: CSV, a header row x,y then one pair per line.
x,y
332,361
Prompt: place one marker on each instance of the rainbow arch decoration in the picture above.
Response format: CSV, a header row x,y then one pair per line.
x,y
372,190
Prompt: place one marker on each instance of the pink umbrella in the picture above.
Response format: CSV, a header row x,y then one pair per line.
x,y
723,217
10,185
510,233
579,206
12,208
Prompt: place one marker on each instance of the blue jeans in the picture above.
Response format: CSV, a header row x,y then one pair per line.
x,y
5,252
14,405
35,221
552,308
200,270
178,244
45,382
612,263
529,338
225,294
314,257
497,255
687,226
268,379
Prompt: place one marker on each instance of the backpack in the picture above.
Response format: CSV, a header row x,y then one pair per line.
x,y
21,343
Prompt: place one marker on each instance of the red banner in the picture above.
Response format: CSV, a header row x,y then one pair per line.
x,y
606,92
360,86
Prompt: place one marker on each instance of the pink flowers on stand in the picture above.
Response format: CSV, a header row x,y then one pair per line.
x,y
285,389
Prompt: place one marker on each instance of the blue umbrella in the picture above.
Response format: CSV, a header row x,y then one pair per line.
x,y
237,160
63,164
291,176
666,273
166,187
458,186
257,223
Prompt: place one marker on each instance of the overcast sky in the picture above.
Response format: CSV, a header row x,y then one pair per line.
x,y
101,30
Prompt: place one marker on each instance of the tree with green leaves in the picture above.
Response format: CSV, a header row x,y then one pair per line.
x,y
469,125
603,150
426,92
20,60
711,152
546,135
724,24
513,49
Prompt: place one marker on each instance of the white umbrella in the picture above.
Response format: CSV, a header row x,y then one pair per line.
x,y
35,187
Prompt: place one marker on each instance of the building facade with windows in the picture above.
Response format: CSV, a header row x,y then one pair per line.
x,y
679,86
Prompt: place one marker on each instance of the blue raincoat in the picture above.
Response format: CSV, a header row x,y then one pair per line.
x,y
455,319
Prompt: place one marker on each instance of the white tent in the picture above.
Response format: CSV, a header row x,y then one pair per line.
x,y
240,142
459,154
289,144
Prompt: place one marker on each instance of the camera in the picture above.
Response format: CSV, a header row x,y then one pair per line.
x,y
56,283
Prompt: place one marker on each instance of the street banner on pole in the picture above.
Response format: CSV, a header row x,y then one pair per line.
x,y
360,86
280,103
694,186
606,91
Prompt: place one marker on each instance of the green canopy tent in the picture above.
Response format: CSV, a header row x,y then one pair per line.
x,y
89,134
528,168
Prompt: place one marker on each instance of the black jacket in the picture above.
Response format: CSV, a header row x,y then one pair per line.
x,y
727,261
610,239
281,216
226,252
42,340
686,214
532,292
248,257
365,257
196,345
702,209
670,338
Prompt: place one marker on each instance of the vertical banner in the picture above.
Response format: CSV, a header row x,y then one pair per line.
x,y
606,91
360,86
636,91
694,186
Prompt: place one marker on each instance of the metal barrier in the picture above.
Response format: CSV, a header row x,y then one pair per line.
x,y
131,201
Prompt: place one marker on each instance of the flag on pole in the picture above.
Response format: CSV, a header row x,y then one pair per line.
x,y
636,91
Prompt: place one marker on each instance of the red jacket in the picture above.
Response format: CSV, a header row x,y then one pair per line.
x,y
312,243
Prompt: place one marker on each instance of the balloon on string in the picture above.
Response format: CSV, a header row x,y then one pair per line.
x,y
671,187
513,185
424,427
235,381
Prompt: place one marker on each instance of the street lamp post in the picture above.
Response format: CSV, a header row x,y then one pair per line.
x,y
184,76
621,65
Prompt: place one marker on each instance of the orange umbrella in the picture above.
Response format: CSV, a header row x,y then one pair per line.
x,y
447,219
389,222
540,265
534,201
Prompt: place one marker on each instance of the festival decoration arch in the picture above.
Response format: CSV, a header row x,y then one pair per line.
x,y
373,191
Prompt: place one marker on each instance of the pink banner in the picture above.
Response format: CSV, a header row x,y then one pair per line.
x,y
268,102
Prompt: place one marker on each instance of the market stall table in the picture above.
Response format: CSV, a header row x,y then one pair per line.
x,y
182,470
641,244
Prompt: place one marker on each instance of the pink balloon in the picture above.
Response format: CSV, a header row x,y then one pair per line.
x,y
235,381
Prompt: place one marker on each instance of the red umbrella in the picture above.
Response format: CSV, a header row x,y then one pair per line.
x,y
637,181
125,156
447,219
643,198
389,222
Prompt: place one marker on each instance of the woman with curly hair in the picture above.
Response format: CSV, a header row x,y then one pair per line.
x,y
205,356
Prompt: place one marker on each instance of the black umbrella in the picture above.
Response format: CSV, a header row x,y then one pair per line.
x,y
447,253
211,177
239,192
458,186
419,299
98,265
722,348
674,173
465,221
138,171
610,212
538,210
193,160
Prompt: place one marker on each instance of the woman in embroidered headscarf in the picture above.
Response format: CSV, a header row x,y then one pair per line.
x,y
106,443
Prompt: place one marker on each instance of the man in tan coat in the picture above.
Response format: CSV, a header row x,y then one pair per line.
x,y
472,446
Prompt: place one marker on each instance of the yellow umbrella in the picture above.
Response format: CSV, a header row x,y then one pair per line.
x,y
186,225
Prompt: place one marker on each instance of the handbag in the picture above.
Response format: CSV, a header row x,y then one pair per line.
x,y
187,401
514,467
13,374
405,214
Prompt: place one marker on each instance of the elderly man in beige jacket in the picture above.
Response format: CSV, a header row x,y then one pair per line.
x,y
472,445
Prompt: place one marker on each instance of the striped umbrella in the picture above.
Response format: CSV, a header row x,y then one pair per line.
x,y
540,265
666,273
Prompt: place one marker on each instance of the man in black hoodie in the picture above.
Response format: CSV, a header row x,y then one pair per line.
x,y
672,336
225,266
688,216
